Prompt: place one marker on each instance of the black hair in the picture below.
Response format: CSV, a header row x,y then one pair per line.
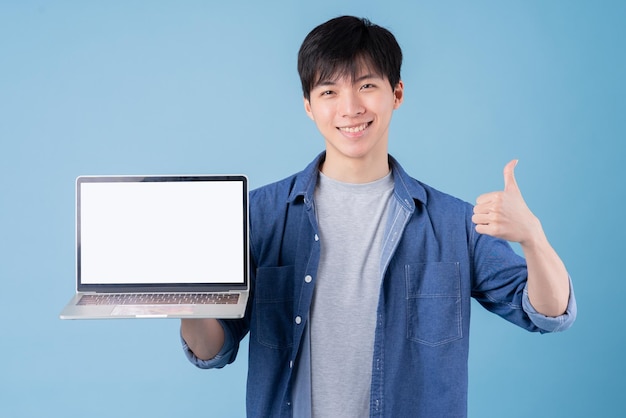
x,y
340,46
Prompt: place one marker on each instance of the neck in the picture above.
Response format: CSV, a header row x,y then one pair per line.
x,y
355,170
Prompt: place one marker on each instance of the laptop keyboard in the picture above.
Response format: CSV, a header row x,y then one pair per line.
x,y
160,299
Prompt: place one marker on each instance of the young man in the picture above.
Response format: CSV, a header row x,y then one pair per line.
x,y
362,276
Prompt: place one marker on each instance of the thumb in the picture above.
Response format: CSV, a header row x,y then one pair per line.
x,y
509,176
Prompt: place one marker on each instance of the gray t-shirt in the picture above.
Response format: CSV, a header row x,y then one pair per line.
x,y
351,221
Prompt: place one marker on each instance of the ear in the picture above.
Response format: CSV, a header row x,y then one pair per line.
x,y
307,108
398,93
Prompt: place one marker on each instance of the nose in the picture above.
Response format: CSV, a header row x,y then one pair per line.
x,y
351,105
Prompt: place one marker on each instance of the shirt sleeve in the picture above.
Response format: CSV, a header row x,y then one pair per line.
x,y
220,360
548,323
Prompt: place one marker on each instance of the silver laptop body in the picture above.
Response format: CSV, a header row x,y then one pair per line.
x,y
161,247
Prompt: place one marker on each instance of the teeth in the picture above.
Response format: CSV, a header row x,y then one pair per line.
x,y
354,129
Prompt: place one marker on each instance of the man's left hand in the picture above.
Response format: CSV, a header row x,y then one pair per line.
x,y
504,214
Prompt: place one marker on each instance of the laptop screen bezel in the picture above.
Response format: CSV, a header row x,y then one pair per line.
x,y
163,287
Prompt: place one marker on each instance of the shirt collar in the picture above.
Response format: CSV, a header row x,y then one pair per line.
x,y
406,188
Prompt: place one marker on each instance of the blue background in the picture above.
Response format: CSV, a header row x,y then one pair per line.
x,y
135,87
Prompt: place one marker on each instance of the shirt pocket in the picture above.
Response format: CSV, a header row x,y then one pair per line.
x,y
273,301
433,295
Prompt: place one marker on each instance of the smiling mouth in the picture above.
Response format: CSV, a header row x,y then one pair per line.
x,y
355,129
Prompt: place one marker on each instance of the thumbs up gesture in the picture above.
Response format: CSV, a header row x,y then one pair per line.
x,y
504,214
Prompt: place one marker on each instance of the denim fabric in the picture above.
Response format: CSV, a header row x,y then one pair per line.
x,y
433,263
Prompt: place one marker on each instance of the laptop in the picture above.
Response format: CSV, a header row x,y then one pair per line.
x,y
161,247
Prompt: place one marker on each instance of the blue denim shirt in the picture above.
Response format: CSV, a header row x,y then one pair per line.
x,y
433,262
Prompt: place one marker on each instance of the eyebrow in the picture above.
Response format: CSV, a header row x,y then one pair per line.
x,y
333,82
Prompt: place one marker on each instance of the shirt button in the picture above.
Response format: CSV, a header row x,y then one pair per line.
x,y
298,320
308,278
317,238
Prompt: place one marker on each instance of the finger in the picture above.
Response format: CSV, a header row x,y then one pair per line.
x,y
509,176
481,209
486,198
484,229
481,219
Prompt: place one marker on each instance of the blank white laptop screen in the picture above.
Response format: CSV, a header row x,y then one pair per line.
x,y
155,232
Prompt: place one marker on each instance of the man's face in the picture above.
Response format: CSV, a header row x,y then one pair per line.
x,y
353,115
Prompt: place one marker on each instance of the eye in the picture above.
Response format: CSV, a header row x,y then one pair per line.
x,y
367,86
326,93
